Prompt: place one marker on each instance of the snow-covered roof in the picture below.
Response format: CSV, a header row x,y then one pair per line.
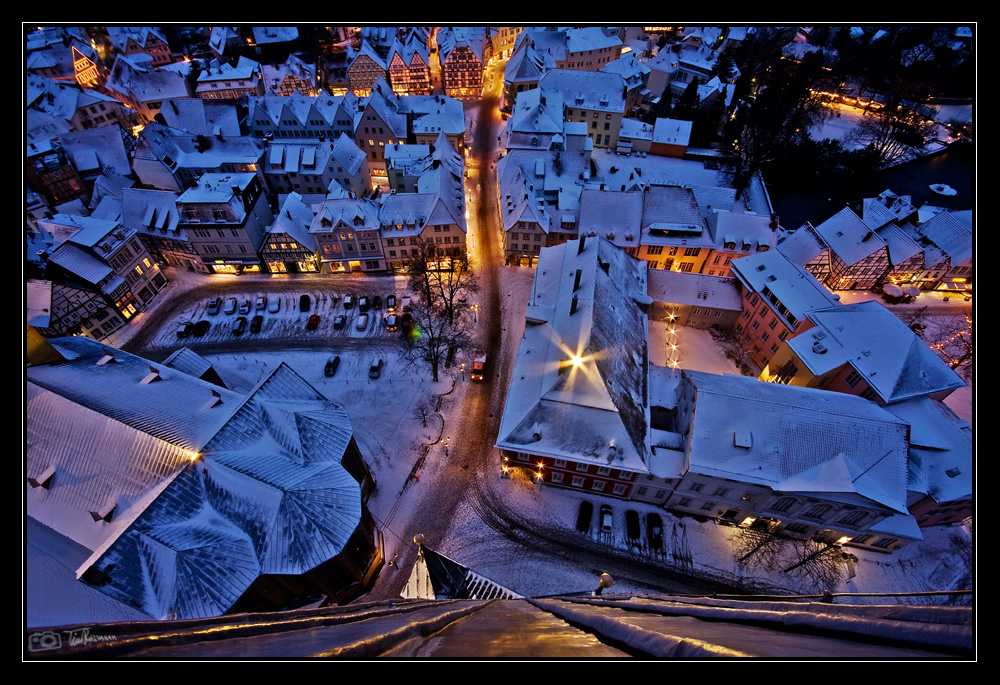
x,y
612,214
891,358
153,212
265,494
579,388
848,236
274,34
802,246
699,290
672,132
800,440
950,235
294,220
941,456
216,187
590,38
591,90
244,69
795,289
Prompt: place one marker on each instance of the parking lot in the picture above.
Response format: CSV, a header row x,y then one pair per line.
x,y
296,315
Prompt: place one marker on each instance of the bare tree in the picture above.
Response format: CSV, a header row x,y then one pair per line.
x,y
442,275
759,547
423,409
951,338
434,335
821,563
888,135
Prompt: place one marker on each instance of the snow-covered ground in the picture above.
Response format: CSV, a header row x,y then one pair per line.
x,y
391,435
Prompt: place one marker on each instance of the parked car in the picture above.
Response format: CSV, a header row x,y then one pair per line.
x,y
632,525
214,305
348,301
255,323
230,305
391,323
390,303
201,328
245,307
362,322
406,303
184,330
313,323
654,531
606,518
331,366
377,302
241,325
375,370
339,321
363,304
583,518
261,303
304,303
274,305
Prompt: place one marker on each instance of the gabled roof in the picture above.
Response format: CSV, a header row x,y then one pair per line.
x,y
800,440
796,289
592,90
941,455
949,235
891,358
294,220
848,236
153,212
579,389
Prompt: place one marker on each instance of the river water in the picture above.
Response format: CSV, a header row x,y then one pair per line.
x,y
815,202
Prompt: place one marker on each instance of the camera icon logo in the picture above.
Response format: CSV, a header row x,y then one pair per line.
x,y
39,642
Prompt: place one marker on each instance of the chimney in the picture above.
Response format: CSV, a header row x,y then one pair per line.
x,y
572,306
583,240
576,282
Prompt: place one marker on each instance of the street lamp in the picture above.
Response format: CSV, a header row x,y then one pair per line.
x,y
604,581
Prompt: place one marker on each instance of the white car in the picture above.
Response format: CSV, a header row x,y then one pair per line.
x,y
274,305
362,322
230,305
261,303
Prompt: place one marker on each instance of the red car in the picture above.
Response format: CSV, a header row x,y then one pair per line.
x,y
313,322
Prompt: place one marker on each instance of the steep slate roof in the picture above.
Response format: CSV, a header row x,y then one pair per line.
x,y
153,212
848,236
949,235
294,220
896,363
941,455
612,214
797,289
595,412
265,494
802,440
802,246
594,90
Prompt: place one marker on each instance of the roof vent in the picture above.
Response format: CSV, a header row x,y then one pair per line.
x,y
108,358
152,376
819,348
44,479
743,438
215,401
104,513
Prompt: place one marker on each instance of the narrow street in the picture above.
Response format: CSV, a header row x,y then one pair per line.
x,y
473,461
